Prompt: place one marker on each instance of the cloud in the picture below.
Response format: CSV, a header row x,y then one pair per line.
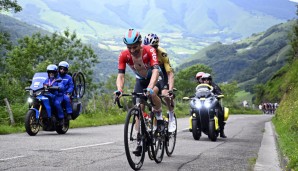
x,y
294,1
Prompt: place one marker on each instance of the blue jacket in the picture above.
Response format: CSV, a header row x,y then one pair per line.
x,y
68,83
53,82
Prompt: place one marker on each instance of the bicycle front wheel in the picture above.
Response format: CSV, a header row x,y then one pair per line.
x,y
133,140
158,144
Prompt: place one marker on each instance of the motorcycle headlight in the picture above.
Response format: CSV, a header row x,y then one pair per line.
x,y
31,92
207,104
29,100
198,104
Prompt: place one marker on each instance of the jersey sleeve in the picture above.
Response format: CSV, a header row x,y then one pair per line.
x,y
121,62
152,56
164,59
166,62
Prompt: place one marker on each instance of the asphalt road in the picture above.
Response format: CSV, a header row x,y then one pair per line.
x,y
101,148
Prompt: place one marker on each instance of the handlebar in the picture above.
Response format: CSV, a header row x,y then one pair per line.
x,y
117,98
44,88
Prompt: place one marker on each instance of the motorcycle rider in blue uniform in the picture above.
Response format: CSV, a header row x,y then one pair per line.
x,y
69,86
56,96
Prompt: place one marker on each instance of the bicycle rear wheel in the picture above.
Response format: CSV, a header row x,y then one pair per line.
x,y
171,141
158,145
79,84
133,138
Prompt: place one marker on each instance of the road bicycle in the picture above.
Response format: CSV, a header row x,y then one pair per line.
x,y
139,131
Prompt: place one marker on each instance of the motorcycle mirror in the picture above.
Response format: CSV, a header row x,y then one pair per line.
x,y
185,98
220,96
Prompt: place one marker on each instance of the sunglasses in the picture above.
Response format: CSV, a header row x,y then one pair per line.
x,y
205,79
135,46
63,68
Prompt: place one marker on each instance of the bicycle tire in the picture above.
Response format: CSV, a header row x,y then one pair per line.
x,y
131,140
149,146
171,141
158,145
79,84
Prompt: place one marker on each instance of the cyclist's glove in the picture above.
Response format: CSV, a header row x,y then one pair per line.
x,y
118,93
171,93
149,91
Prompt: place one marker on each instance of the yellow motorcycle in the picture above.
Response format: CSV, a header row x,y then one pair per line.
x,y
204,108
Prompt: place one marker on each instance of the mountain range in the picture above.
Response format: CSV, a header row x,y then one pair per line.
x,y
251,61
184,26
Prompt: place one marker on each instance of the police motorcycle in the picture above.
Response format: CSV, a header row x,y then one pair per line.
x,y
42,113
204,111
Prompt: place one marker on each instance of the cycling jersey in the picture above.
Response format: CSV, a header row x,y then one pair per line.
x,y
164,63
141,67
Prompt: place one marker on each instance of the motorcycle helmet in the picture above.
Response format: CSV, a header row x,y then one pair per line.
x,y
52,69
199,75
132,37
64,65
206,76
151,39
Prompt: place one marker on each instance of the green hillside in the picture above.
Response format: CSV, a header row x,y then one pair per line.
x,y
17,29
284,87
250,61
184,26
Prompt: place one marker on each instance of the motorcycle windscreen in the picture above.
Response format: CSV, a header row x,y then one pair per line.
x,y
38,80
203,92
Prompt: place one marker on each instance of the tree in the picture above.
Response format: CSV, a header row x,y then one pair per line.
x,y
7,5
229,90
33,54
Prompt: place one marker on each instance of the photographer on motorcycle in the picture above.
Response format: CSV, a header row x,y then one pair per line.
x,y
68,83
56,96
207,79
199,80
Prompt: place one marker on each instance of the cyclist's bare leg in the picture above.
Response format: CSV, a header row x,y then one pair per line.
x,y
157,104
169,104
137,125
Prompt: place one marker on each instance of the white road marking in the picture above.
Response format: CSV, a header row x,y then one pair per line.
x,y
86,146
12,158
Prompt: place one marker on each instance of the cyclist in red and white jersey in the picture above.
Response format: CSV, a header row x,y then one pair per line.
x,y
144,63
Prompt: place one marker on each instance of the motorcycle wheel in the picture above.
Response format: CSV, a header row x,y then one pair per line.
x,y
212,132
31,123
196,132
62,129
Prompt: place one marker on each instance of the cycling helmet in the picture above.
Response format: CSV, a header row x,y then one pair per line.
x,y
207,76
151,39
132,37
199,75
53,69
